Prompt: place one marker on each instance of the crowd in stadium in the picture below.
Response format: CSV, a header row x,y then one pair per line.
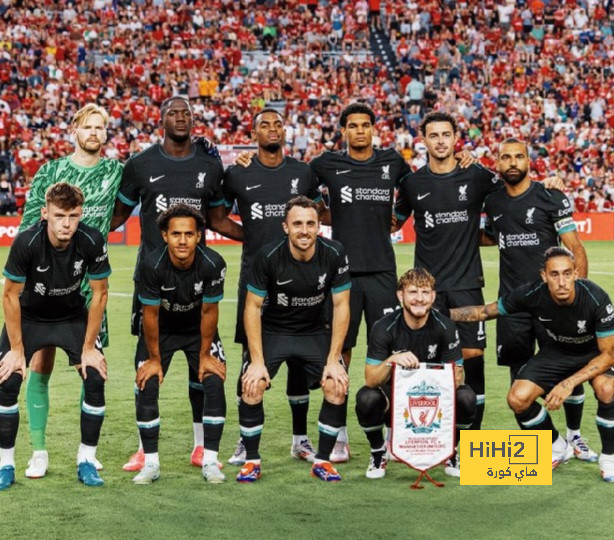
x,y
539,70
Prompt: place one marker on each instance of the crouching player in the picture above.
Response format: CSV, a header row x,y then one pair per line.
x,y
43,307
407,337
578,346
180,287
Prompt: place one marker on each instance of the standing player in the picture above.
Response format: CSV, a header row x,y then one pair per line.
x,y
43,307
261,191
175,171
98,178
406,338
525,219
180,286
578,346
361,182
296,275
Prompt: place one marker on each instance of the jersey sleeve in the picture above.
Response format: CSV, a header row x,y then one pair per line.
x,y
36,199
560,213
98,265
148,285
604,324
215,196
213,291
314,193
402,207
379,347
227,188
318,169
257,281
404,171
341,280
128,188
19,260
490,180
515,301
450,343
488,223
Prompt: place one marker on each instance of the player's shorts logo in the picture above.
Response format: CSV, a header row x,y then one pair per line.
x,y
161,203
257,212
423,414
462,193
346,194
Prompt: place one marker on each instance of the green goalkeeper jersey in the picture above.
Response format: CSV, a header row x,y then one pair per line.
x,y
98,183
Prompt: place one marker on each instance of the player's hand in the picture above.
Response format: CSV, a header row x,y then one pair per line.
x,y
12,362
245,158
210,365
406,359
93,358
393,223
558,395
465,159
252,377
147,370
554,182
335,370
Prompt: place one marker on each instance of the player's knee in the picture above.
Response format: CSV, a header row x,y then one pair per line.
x,y
94,388
518,401
604,389
465,404
9,390
332,393
258,395
368,400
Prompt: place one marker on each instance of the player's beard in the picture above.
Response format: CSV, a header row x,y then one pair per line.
x,y
271,147
514,179
90,146
420,316
179,138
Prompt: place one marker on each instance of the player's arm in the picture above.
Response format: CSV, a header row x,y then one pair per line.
x,y
36,199
598,365
459,375
554,182
13,361
218,221
324,212
378,374
341,321
209,365
572,242
121,213
90,356
152,367
475,313
252,320
465,159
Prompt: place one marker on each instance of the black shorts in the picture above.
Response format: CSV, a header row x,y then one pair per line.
x,y
309,352
375,294
548,368
472,335
189,344
517,337
68,336
240,336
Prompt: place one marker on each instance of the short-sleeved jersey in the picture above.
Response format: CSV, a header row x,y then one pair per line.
x,y
524,228
261,194
569,329
361,200
296,291
437,342
98,183
180,293
52,277
447,210
158,181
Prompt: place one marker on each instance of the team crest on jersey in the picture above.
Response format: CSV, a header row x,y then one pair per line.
x,y
78,268
385,172
322,281
423,414
104,184
530,212
432,352
40,289
198,287
462,193
294,186
581,327
201,180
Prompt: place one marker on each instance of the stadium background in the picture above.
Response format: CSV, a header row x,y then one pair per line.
x,y
540,70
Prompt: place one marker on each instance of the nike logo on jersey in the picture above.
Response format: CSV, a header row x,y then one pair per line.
x,y
167,288
39,269
152,179
283,282
495,218
343,172
247,188
423,195
544,320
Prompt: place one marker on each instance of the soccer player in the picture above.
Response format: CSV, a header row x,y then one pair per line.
x,y
261,190
407,337
98,178
175,171
43,307
525,219
180,286
577,346
296,275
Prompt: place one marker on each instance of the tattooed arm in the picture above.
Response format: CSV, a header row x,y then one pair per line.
x,y
475,313
596,366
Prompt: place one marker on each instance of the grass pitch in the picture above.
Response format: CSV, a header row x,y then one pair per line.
x,y
286,502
